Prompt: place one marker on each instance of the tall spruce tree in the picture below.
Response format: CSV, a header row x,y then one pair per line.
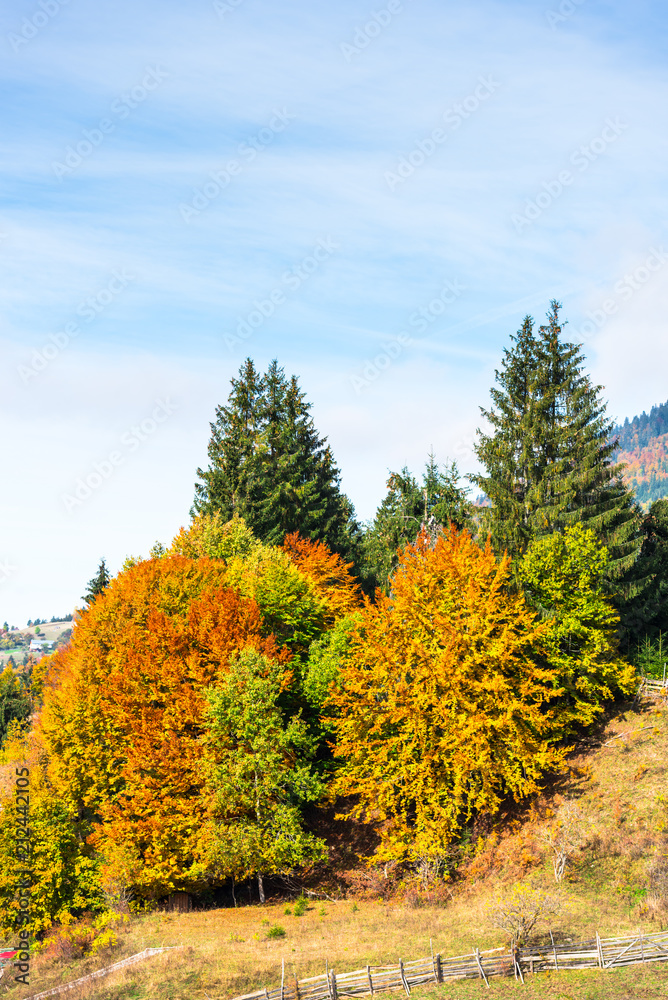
x,y
269,465
406,507
225,485
644,613
510,454
549,459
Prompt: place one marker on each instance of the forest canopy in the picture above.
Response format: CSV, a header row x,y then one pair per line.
x,y
279,658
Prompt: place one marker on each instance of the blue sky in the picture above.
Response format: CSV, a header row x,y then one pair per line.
x,y
375,193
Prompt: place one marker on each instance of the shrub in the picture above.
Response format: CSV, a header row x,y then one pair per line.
x,y
565,837
70,941
276,931
518,912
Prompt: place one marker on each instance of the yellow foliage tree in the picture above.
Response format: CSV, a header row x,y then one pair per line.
x,y
302,588
210,536
440,706
42,858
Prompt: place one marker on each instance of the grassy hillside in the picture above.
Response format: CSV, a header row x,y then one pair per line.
x,y
617,783
56,632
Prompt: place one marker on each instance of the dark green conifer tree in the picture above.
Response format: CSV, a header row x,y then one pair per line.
x,y
269,465
510,454
226,485
406,507
549,459
644,614
98,583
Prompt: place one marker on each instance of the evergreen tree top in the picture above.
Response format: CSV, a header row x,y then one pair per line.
x,y
98,583
548,459
269,465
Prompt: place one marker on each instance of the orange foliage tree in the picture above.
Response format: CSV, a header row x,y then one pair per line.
x,y
441,708
123,714
329,575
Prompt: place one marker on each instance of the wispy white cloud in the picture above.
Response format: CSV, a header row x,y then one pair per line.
x,y
323,176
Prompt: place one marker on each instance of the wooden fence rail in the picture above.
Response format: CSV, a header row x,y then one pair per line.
x,y
651,686
600,953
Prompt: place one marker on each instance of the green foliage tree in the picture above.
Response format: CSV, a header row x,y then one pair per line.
x,y
98,583
269,465
60,870
651,657
439,500
548,460
564,581
325,659
260,774
15,702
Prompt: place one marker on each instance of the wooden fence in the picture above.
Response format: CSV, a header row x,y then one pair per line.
x,y
146,953
600,953
652,687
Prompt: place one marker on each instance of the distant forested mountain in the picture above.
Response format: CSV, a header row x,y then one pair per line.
x,y
643,446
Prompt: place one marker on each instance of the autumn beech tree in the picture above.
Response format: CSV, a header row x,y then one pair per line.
x,y
440,706
301,588
123,715
125,727
331,578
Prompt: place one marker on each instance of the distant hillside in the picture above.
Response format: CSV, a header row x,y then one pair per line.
x,y
643,446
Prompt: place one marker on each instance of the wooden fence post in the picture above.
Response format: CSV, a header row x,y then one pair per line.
x,y
439,969
333,978
283,979
368,976
599,949
554,950
482,971
433,963
403,978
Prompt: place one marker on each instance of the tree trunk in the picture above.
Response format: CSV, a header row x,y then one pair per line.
x,y
260,886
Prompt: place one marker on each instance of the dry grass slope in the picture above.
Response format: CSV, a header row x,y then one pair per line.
x,y
619,789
